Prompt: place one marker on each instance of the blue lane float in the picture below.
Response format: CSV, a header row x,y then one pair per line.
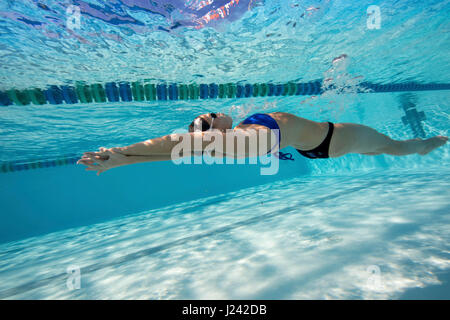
x,y
248,90
173,92
69,94
271,89
161,92
239,91
204,91
125,91
112,92
54,95
213,91
4,99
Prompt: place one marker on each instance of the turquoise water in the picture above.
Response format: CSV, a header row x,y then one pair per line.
x,y
356,227
288,240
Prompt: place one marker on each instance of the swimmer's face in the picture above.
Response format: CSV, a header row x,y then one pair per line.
x,y
203,122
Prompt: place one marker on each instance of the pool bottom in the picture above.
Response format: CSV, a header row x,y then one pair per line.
x,y
379,235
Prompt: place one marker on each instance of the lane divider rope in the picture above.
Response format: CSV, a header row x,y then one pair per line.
x,y
141,91
12,166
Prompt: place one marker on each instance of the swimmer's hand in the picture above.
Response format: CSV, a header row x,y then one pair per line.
x,y
102,160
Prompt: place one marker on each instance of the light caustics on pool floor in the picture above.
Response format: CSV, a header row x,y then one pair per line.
x,y
307,237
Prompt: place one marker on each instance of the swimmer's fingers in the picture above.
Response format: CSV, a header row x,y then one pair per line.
x,y
95,167
93,163
90,160
85,161
99,170
99,155
94,157
104,153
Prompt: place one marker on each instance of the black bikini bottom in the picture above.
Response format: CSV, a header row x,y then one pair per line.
x,y
321,151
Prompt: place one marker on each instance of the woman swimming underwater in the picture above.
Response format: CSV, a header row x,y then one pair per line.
x,y
311,139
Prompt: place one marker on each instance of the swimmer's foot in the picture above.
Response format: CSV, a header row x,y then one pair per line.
x,y
432,143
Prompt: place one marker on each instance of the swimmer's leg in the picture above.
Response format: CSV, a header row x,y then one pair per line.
x,y
369,141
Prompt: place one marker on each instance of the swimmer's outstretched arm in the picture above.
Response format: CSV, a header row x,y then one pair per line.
x,y
162,149
158,149
105,159
158,146
192,142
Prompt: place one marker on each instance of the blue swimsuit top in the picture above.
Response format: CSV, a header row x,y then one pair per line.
x,y
269,122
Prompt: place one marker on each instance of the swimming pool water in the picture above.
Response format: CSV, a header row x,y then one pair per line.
x,y
301,238
121,41
356,227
